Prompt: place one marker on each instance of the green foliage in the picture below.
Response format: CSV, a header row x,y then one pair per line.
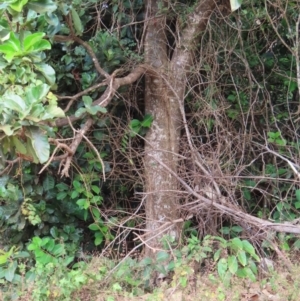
x,y
47,250
240,261
25,99
136,127
275,137
9,265
92,110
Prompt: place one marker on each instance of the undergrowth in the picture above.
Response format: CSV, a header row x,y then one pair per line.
x,y
55,276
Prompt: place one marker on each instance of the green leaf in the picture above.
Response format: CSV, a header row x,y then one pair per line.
x,y
3,259
98,238
11,47
87,100
134,123
42,6
148,119
37,93
13,102
162,256
242,258
58,250
48,182
20,147
96,189
236,244
241,273
10,271
83,203
222,267
252,266
77,22
232,264
6,129
145,262
94,227
80,111
298,195
249,274
18,5
39,143
31,40
31,152
54,232
95,109
249,248
53,111
235,4
217,255
61,195
77,185
96,213
47,71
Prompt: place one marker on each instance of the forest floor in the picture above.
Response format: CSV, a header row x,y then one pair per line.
x,y
279,285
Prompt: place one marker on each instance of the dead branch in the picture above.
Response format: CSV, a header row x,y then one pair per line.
x,y
233,211
9,165
113,86
74,146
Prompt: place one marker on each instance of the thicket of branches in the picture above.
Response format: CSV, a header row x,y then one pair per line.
x,y
240,140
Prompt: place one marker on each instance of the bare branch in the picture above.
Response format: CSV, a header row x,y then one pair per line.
x,y
114,85
74,146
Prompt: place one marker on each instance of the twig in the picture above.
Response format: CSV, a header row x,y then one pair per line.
x,y
75,144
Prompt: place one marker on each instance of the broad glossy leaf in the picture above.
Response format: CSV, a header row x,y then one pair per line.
x,y
47,71
13,102
36,112
37,93
11,47
39,143
52,19
53,111
42,6
32,39
40,46
20,147
235,4
31,152
6,129
18,5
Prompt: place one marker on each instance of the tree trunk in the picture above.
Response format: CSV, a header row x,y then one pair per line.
x,y
164,99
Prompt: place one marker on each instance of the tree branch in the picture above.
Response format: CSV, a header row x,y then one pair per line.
x,y
113,86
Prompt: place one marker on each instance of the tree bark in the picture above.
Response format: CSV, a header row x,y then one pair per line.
x,y
164,95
